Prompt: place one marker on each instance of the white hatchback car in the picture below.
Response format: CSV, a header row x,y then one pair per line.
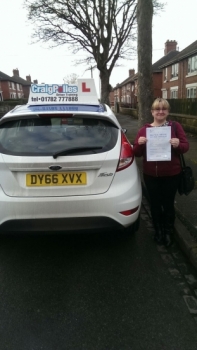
x,y
66,164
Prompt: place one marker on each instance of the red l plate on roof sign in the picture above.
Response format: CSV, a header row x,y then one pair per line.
x,y
84,88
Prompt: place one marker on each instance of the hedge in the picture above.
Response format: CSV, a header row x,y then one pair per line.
x,y
187,106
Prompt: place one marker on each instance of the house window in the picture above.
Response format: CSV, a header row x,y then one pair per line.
x,y
13,95
192,64
128,99
175,70
164,94
174,92
191,92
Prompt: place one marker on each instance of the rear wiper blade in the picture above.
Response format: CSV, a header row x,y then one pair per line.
x,y
75,149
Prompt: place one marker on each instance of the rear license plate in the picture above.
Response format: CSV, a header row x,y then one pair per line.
x,y
56,179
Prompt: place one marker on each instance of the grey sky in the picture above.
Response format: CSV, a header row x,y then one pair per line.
x,y
178,22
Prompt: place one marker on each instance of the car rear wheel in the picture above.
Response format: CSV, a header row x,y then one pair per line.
x,y
133,228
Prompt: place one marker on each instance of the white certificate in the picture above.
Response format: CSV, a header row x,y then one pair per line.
x,y
158,143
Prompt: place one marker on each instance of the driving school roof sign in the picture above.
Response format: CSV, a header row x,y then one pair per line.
x,y
84,92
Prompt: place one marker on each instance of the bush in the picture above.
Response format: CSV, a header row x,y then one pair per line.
x,y
12,102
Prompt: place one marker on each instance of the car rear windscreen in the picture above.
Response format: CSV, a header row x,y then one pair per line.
x,y
42,136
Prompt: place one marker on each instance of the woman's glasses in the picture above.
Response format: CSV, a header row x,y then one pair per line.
x,y
160,109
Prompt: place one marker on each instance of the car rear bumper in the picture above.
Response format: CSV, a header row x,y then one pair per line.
x,y
72,213
59,225
49,216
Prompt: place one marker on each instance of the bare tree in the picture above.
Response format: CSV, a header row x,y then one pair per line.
x,y
71,78
104,29
145,90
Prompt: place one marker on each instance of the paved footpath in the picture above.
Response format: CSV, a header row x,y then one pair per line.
x,y
186,206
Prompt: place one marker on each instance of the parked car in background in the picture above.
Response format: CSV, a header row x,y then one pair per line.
x,y
66,164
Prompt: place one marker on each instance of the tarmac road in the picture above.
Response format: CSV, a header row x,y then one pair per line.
x,y
96,292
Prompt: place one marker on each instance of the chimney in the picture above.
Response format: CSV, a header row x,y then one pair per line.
x,y
35,81
28,78
170,45
16,72
131,72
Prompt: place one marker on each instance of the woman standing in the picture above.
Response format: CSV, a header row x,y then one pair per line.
x,y
162,177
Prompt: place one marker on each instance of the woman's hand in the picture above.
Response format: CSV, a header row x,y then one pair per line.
x,y
175,142
142,140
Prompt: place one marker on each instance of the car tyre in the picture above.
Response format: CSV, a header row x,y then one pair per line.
x,y
130,230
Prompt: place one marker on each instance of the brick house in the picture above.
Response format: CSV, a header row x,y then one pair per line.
x,y
25,84
9,88
179,79
14,87
124,92
127,96
115,95
170,52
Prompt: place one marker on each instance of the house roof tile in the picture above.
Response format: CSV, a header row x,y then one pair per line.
x,y
126,81
14,79
4,76
187,52
21,81
156,66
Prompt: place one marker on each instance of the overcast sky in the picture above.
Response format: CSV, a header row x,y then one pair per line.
x,y
178,22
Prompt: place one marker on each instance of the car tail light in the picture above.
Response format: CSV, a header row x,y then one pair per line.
x,y
129,212
126,154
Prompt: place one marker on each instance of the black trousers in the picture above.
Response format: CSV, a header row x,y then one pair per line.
x,y
162,191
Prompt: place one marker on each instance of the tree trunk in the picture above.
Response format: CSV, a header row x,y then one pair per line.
x,y
105,86
145,85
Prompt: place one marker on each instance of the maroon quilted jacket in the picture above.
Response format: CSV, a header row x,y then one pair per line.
x,y
163,168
